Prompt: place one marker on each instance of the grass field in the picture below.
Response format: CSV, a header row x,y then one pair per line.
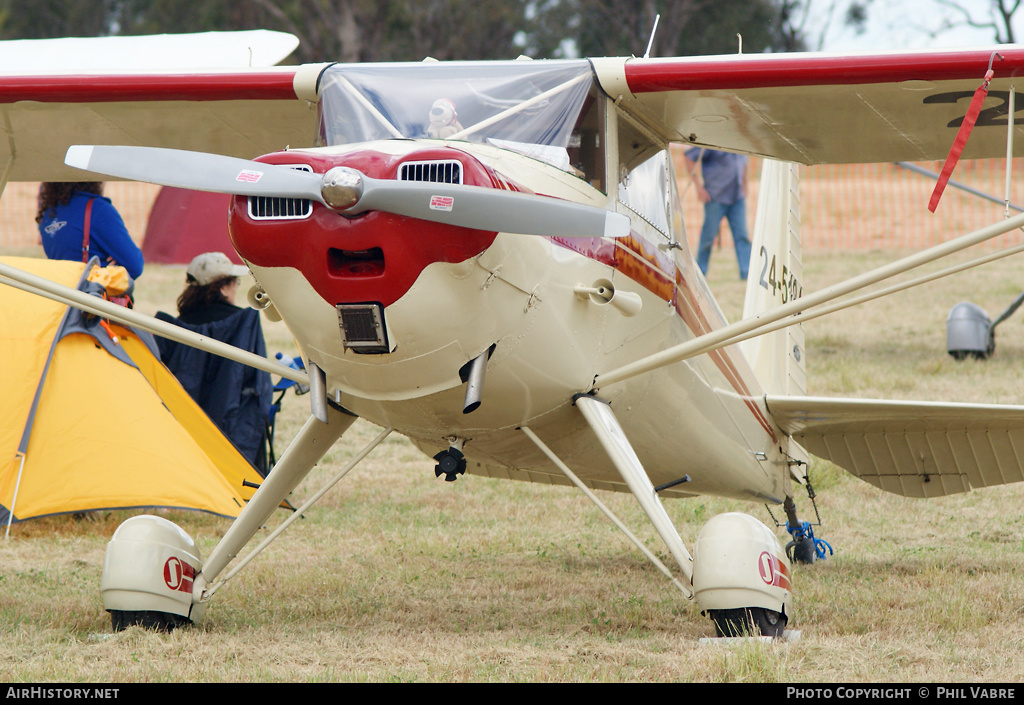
x,y
397,576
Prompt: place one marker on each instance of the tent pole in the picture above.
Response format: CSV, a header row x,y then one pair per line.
x,y
14,500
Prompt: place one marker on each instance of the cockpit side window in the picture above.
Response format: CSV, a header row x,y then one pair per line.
x,y
645,190
645,177
586,144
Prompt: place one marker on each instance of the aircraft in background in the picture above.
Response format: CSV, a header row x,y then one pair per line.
x,y
488,258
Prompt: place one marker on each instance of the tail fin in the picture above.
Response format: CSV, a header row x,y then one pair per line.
x,y
776,278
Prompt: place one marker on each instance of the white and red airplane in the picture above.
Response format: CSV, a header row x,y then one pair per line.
x,y
488,258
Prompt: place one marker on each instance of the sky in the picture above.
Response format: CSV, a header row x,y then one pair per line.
x,y
904,24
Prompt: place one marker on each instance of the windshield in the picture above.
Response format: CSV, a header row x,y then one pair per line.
x,y
530,106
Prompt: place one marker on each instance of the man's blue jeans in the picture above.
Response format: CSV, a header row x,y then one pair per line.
x,y
736,214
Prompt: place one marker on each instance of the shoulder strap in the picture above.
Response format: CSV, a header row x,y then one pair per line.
x,y
85,231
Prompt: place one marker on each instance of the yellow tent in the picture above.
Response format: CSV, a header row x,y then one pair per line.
x,y
91,424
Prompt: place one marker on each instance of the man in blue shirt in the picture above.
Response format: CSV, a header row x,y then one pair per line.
x,y
722,188
62,221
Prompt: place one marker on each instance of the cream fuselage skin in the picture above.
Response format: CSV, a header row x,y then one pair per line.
x,y
451,294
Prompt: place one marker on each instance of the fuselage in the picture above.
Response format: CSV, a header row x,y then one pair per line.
x,y
442,296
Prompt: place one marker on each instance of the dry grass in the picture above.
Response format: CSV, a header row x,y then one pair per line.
x,y
396,576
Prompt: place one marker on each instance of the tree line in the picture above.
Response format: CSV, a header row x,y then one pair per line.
x,y
410,30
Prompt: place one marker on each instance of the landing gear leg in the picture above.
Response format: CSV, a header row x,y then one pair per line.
x,y
801,548
804,548
313,441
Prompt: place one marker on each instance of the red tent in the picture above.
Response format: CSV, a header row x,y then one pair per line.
x,y
186,223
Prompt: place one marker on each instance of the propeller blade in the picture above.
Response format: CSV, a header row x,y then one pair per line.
x,y
195,170
490,209
350,191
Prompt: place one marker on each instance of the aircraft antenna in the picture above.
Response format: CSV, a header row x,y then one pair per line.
x,y
739,38
650,42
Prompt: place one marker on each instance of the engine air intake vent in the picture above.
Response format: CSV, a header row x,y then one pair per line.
x,y
448,171
274,208
363,329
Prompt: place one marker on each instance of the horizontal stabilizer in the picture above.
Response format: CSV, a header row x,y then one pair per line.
x,y
915,449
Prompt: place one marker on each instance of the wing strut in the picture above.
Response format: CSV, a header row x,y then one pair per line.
x,y
879,293
732,333
12,276
1009,150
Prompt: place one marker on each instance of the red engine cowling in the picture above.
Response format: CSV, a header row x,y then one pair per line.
x,y
373,256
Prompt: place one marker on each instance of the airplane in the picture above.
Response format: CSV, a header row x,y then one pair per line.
x,y
489,259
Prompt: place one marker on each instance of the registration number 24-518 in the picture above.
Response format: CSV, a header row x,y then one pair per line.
x,y
783,284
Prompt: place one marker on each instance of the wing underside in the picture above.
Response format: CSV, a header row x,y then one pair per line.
x,y
42,132
212,91
824,108
243,114
915,449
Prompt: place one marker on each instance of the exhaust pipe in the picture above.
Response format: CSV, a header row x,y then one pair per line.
x,y
475,382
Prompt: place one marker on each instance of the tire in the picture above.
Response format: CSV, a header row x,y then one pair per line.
x,y
802,551
158,621
748,621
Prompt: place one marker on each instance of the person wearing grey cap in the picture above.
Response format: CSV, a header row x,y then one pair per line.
x,y
236,397
211,283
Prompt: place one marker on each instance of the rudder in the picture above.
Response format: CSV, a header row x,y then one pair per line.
x,y
776,278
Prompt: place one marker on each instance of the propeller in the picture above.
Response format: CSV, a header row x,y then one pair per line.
x,y
349,191
196,170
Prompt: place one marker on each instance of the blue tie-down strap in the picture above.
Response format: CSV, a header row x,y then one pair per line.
x,y
803,531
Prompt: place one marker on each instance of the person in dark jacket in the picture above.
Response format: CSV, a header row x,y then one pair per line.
x,y
77,223
211,283
236,397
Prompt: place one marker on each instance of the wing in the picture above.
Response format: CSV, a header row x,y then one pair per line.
x,y
246,49
915,449
822,108
236,110
806,108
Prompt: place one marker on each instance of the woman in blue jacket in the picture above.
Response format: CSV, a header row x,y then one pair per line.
x,y
77,223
